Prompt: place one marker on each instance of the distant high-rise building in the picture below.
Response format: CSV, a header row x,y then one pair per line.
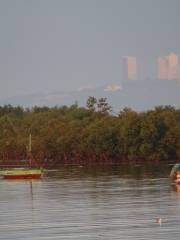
x,y
162,68
173,66
129,68
168,67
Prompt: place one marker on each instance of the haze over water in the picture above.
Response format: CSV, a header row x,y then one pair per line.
x,y
50,48
91,203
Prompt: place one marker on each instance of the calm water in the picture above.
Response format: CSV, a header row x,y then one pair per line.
x,y
91,203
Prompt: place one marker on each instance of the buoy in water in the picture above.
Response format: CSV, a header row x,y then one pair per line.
x,y
159,220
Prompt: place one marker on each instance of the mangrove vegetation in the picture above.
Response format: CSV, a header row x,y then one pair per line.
x,y
89,135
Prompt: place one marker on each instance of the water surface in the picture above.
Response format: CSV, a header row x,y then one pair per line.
x,y
91,203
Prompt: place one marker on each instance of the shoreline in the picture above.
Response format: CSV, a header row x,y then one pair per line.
x,y
15,164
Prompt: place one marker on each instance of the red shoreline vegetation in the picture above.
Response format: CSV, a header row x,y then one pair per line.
x,y
91,135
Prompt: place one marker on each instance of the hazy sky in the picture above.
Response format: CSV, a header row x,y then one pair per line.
x,y
53,45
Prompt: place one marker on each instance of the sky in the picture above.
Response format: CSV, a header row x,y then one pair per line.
x,y
57,45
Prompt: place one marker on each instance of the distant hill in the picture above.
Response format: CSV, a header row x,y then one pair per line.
x,y
138,95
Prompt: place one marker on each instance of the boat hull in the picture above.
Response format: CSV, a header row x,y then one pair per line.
x,y
22,174
30,176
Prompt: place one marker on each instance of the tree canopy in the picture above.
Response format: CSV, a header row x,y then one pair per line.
x,y
90,135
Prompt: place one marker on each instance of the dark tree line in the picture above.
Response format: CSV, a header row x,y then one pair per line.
x,y
77,135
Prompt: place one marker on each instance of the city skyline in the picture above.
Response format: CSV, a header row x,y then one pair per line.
x,y
168,67
49,46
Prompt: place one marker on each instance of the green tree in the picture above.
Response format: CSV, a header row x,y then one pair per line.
x,y
91,103
103,106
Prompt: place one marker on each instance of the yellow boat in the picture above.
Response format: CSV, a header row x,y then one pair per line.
x,y
23,173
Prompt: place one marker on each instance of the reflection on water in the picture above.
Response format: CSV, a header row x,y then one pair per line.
x,y
176,188
91,203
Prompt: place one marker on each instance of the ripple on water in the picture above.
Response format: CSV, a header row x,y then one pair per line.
x,y
105,207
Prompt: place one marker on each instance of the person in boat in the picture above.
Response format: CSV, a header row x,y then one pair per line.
x,y
173,173
177,180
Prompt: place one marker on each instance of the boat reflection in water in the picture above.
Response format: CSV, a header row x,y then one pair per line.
x,y
176,188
